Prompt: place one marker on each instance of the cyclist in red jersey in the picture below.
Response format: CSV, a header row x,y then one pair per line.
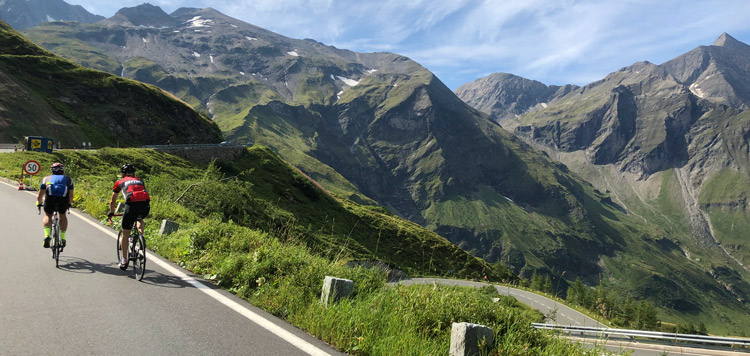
x,y
137,206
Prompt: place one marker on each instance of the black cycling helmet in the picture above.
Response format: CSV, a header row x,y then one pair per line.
x,y
127,168
57,168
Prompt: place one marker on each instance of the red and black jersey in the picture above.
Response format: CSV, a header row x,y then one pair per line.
x,y
132,188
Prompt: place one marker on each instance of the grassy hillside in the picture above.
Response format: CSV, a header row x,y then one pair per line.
x,y
45,95
280,267
261,191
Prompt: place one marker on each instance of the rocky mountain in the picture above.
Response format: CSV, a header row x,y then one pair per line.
x,y
146,15
380,128
505,96
42,94
22,14
670,142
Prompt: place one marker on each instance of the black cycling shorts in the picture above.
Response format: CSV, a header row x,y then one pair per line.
x,y
133,212
58,204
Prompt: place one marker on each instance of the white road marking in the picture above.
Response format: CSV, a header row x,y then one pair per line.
x,y
247,313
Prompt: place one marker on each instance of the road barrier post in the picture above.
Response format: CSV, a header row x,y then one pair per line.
x,y
335,289
168,227
469,339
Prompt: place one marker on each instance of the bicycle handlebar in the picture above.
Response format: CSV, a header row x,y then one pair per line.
x,y
110,218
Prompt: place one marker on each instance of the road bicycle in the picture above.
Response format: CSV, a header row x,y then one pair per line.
x,y
56,245
137,249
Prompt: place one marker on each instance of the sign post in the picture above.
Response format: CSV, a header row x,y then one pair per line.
x,y
31,168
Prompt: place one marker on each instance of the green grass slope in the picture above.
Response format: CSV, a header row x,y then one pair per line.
x,y
49,96
261,191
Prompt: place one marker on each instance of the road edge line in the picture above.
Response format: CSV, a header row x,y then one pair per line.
x,y
287,336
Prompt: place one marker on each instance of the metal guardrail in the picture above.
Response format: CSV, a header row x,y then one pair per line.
x,y
197,145
656,335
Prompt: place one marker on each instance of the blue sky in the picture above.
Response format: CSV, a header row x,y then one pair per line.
x,y
552,41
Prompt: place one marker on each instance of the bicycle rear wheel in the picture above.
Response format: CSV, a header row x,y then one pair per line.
x,y
139,256
56,246
119,247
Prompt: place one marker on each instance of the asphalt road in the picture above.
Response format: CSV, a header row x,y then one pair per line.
x,y
555,312
90,307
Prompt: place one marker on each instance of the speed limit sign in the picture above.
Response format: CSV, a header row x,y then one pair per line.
x,y
31,167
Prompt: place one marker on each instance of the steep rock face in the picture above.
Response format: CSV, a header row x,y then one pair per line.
x,y
665,103
22,14
670,142
719,73
504,96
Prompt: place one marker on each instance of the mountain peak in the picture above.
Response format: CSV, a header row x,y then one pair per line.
x,y
22,14
725,40
142,15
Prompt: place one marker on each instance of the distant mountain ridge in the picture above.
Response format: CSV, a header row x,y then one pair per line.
x,y
23,14
504,96
671,142
144,15
378,127
42,94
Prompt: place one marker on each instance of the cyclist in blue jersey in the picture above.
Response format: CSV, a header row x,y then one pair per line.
x,y
56,193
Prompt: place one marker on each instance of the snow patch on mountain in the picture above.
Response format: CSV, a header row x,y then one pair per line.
x,y
697,91
251,38
198,22
293,53
196,54
49,18
347,81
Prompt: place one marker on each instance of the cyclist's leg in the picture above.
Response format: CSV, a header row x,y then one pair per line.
x,y
47,221
128,219
141,225
124,243
62,208
144,208
49,209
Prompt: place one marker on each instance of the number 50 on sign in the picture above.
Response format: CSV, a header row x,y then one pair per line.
x,y
31,167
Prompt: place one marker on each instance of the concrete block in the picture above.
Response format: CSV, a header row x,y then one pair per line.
x,y
335,289
168,227
466,339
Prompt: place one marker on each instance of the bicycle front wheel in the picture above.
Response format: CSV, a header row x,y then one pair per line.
x,y
139,257
119,248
